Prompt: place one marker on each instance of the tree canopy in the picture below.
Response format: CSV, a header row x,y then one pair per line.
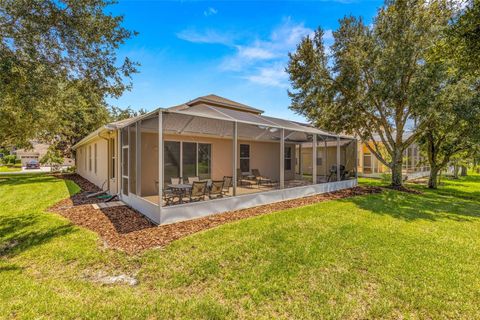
x,y
58,63
452,114
375,79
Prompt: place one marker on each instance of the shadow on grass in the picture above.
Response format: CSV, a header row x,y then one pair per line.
x,y
24,179
23,233
72,187
431,205
10,268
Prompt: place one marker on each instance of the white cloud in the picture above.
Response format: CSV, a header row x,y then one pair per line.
x,y
259,60
210,12
209,36
274,76
281,40
255,52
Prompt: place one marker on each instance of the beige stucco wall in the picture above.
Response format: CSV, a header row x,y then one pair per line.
x,y
264,156
99,178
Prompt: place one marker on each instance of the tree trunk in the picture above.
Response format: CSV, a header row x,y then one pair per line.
x,y
463,171
455,171
397,178
433,178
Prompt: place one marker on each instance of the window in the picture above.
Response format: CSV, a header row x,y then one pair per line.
x,y
113,158
245,157
95,157
288,158
85,158
90,158
367,163
204,160
195,159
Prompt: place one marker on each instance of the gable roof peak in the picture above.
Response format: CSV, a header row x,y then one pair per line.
x,y
219,101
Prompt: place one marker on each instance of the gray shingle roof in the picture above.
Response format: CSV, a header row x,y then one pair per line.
x,y
221,101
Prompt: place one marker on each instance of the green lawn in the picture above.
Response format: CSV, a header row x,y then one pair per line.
x,y
389,255
9,169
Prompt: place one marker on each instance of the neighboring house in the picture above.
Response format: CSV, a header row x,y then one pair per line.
x,y
37,152
255,158
414,164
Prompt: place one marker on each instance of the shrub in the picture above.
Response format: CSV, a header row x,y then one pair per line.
x,y
9,159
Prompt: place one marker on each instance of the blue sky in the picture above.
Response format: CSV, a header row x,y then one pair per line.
x,y
235,49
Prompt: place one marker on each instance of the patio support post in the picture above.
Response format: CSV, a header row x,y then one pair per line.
x,y
356,159
282,160
138,151
325,152
338,158
234,156
300,167
119,163
160,163
314,159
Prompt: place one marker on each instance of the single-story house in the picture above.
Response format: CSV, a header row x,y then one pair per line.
x,y
212,155
414,163
37,151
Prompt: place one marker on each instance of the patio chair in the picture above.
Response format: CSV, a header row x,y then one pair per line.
x,y
176,180
242,181
169,196
198,191
192,179
261,179
333,173
227,183
216,189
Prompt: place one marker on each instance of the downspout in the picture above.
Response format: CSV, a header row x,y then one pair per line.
x,y
108,159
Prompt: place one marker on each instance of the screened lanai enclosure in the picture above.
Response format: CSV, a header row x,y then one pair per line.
x,y
191,161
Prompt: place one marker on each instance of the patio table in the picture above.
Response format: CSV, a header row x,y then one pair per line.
x,y
181,188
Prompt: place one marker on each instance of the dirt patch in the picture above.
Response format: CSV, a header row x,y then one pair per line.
x,y
126,229
121,279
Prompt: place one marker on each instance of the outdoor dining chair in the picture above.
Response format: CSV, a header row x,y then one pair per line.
x,y
227,183
192,179
198,191
216,189
333,173
176,180
169,196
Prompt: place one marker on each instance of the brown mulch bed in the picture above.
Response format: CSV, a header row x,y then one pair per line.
x,y
126,229
80,198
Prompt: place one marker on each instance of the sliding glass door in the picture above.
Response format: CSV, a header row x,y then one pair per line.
x,y
171,160
204,160
189,159
186,159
